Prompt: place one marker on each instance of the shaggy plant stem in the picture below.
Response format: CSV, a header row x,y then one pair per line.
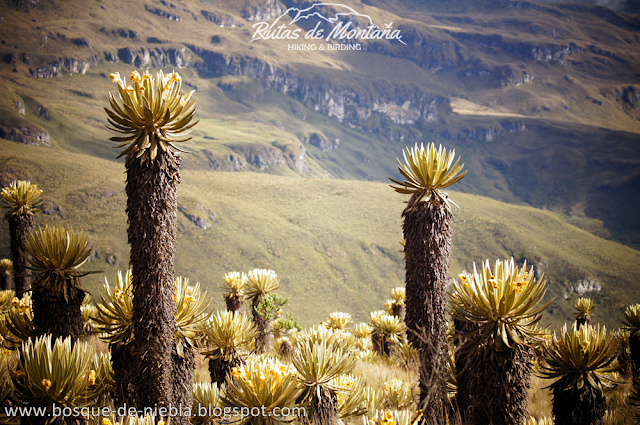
x,y
19,227
494,389
427,232
152,209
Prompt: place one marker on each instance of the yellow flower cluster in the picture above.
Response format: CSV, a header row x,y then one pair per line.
x,y
338,320
344,381
387,420
388,306
174,77
376,316
584,345
397,385
417,418
520,285
119,295
115,77
494,282
362,330
235,282
135,77
18,375
256,376
21,305
46,384
92,377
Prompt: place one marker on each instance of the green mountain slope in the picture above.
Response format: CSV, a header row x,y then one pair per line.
x,y
335,243
541,101
482,77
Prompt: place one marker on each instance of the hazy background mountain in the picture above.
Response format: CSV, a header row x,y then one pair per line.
x,y
624,6
287,167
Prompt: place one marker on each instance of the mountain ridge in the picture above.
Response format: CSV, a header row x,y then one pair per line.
x,y
544,111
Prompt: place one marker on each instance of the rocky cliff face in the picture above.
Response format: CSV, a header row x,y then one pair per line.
x,y
433,54
265,11
260,156
321,142
402,104
163,13
627,98
28,135
486,133
228,163
528,51
65,66
223,20
156,57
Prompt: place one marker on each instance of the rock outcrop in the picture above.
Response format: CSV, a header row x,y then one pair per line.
x,y
194,219
163,13
321,142
266,10
229,163
627,99
42,112
28,135
528,51
65,66
223,20
157,57
18,103
260,156
486,133
51,209
120,32
631,96
509,76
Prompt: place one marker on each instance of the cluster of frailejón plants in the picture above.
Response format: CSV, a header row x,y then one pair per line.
x,y
263,367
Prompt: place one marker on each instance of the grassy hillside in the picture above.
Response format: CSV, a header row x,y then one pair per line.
x,y
335,243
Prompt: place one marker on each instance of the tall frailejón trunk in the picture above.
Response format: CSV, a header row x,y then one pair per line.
x,y
427,232
234,303
325,407
463,375
634,349
122,373
399,311
581,322
220,369
5,279
152,210
54,315
264,340
579,406
497,389
19,227
182,383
